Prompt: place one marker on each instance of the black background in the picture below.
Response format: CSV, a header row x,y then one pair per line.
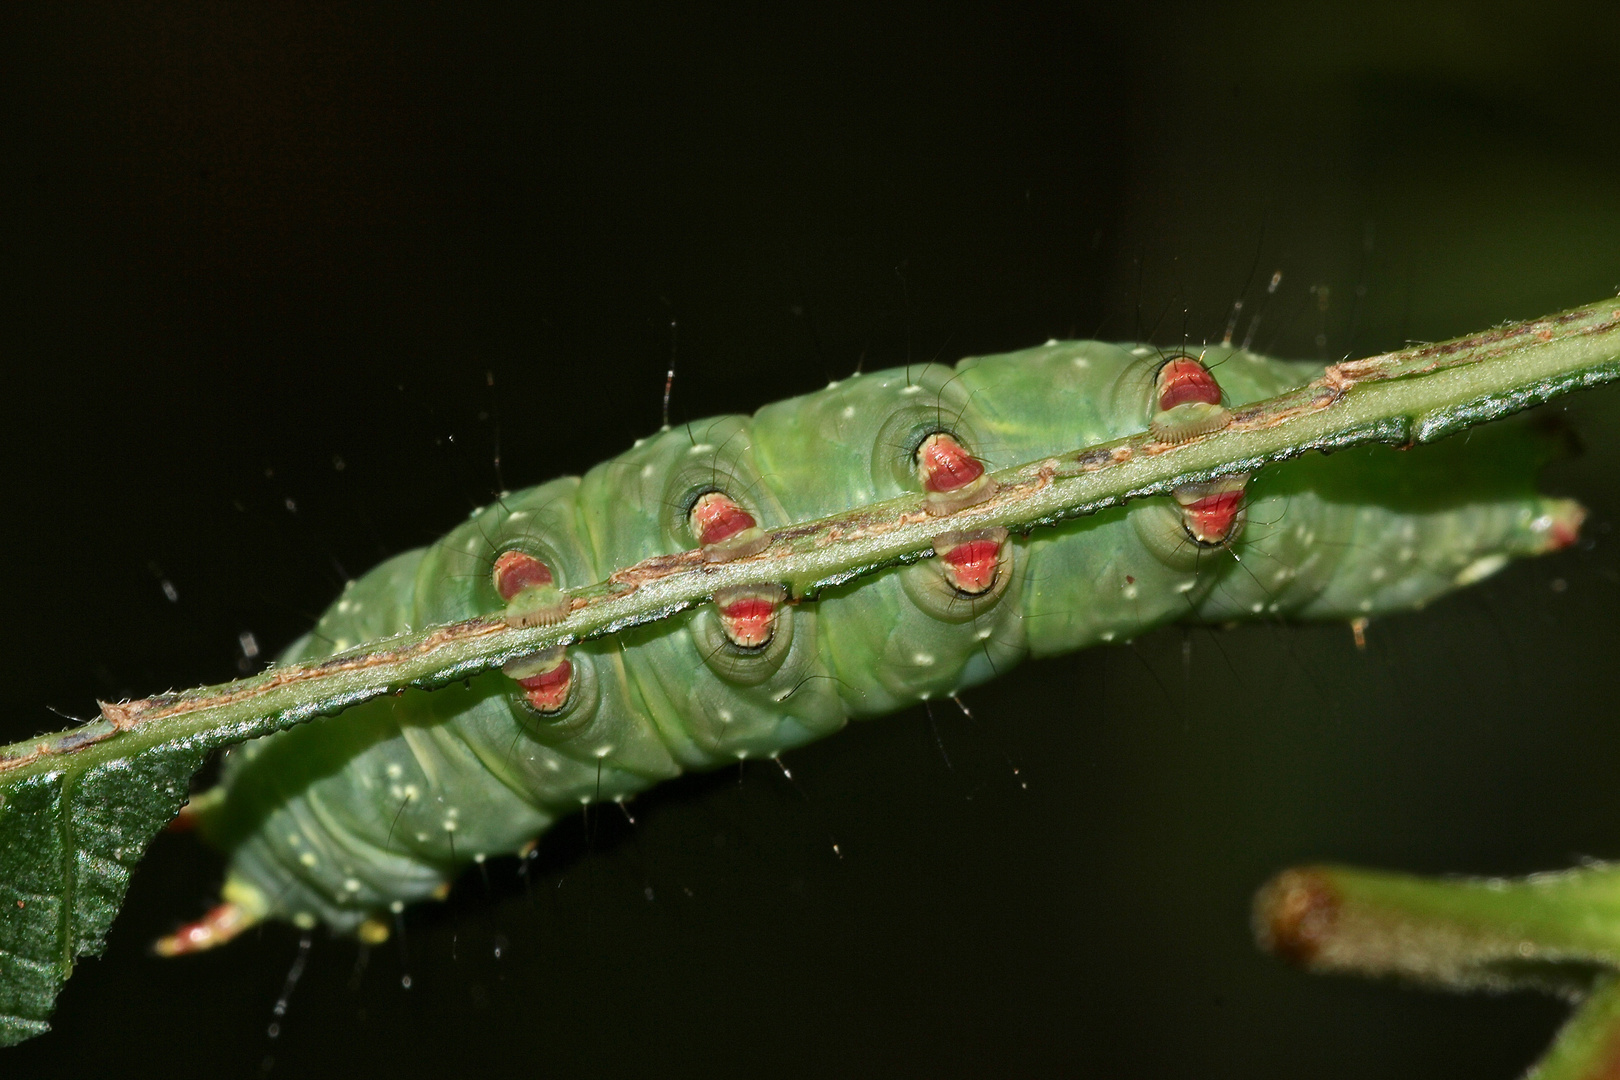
x,y
247,244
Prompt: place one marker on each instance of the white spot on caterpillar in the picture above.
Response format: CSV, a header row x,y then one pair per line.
x,y
397,906
647,472
1081,362
603,751
351,885
724,715
308,858
1257,607
394,771
517,516
1378,573
700,448
1107,635
1050,342
1365,605
551,763
922,659
421,837
1187,586
849,412
449,824
983,634
1480,569
304,921
1130,592
912,389
293,839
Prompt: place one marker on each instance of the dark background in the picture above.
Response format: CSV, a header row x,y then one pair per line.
x,y
280,278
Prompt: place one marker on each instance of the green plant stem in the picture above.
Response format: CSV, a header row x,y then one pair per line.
x,y
1588,1046
1554,932
1549,931
1411,396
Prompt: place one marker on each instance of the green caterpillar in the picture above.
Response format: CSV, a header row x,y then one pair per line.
x,y
340,821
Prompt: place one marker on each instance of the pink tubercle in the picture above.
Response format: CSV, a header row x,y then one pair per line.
x,y
716,516
1212,518
750,621
518,570
1185,380
548,691
970,567
945,465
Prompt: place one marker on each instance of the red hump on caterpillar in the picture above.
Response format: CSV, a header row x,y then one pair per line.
x,y
529,589
723,529
546,678
1186,401
516,571
1213,512
1184,379
971,561
951,477
748,613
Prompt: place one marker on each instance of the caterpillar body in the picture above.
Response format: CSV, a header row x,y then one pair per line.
x,y
341,820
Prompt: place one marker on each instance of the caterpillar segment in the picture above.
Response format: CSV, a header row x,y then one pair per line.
x,y
344,820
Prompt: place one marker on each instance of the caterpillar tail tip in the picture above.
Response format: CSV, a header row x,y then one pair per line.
x,y
240,907
1560,524
220,925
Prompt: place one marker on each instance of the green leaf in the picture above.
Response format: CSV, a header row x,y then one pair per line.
x,y
68,841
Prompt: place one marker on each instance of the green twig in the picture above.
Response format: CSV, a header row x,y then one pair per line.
x,y
1549,931
1412,396
1588,1047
